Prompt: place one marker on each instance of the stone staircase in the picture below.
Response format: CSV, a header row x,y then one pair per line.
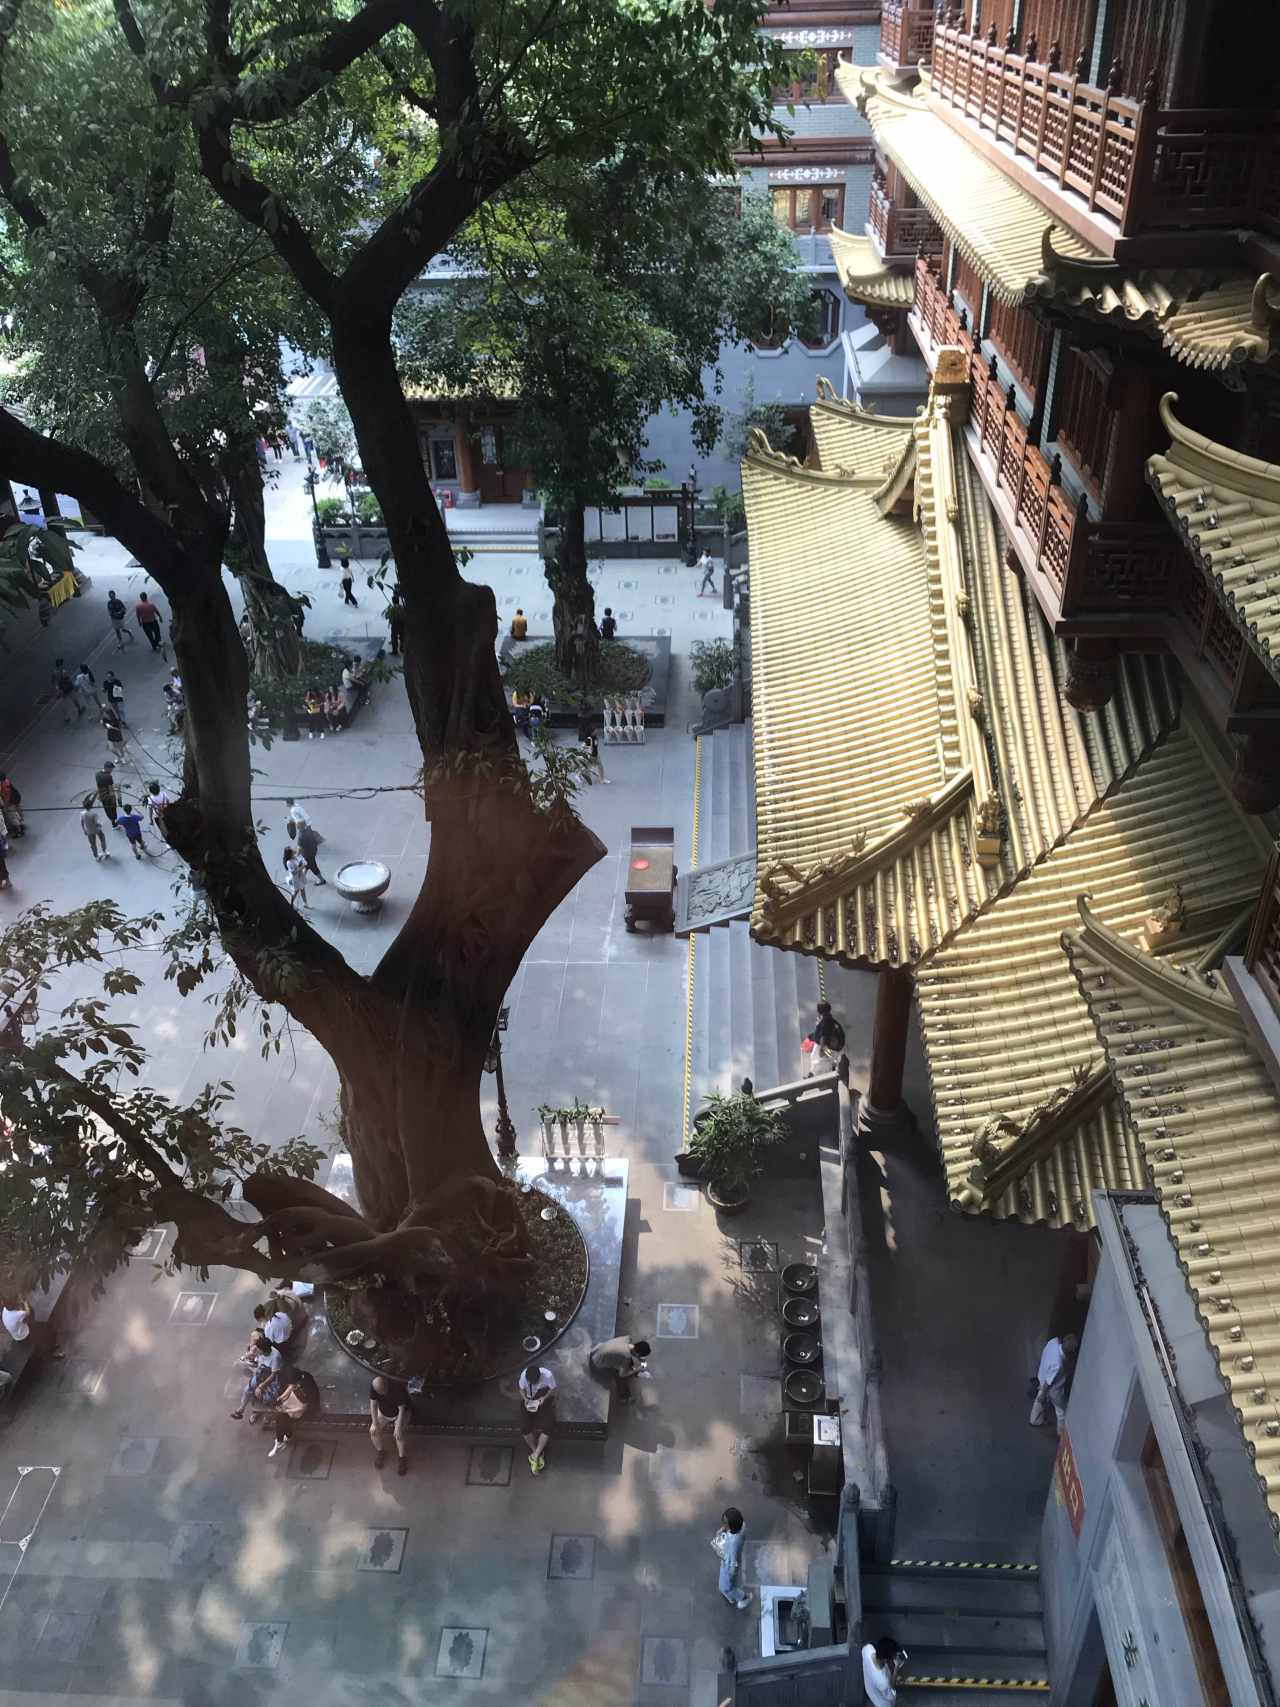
x,y
751,1005
973,1632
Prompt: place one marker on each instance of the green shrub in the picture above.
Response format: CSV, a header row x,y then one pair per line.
x,y
729,1139
333,512
368,510
321,667
714,664
534,670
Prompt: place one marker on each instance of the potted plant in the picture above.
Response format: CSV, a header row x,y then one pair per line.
x,y
728,1144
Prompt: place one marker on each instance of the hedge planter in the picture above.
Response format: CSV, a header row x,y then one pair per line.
x,y
362,544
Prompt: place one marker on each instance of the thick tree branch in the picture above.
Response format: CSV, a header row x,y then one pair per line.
x,y
34,459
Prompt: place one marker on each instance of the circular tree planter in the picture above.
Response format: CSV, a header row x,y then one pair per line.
x,y
801,1312
728,1197
804,1387
559,1284
363,882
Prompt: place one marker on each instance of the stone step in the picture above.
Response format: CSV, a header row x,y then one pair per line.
x,y
741,839
951,1592
995,1640
751,787
742,1002
718,846
764,1017
712,1037
969,1694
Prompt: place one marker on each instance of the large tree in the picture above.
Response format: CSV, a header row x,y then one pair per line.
x,y
465,99
595,298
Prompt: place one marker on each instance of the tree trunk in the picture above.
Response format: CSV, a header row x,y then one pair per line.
x,y
275,643
573,614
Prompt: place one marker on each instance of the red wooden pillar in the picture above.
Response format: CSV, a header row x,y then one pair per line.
x,y
883,1108
468,464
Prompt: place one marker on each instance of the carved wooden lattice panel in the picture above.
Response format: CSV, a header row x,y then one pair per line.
x,y
1021,340
1057,537
1129,568
1223,643
1203,176
1193,597
1085,422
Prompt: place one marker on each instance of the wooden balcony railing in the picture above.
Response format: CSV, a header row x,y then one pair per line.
x,y
1145,167
1089,564
1262,952
906,31
901,232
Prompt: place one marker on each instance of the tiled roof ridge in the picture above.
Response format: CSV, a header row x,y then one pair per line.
x,y
1225,506
826,398
1207,1118
761,454
865,277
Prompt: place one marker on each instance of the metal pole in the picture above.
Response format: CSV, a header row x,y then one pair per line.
x,y
505,1132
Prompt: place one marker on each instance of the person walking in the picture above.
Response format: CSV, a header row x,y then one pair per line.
x,y
608,624
707,564
294,815
64,690
591,746
148,618
5,882
827,1038
1053,1380
880,1663
11,806
104,782
113,693
114,730
622,1358
157,804
86,685
118,615
728,1543
130,821
388,1409
308,847
395,616
346,581
91,824
295,879
537,1413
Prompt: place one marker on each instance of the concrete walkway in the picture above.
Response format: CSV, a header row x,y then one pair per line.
x,y
149,1550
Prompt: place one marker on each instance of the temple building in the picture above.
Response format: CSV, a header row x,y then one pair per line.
x,y
1015,691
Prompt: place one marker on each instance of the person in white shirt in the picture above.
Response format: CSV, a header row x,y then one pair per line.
x,y
17,1316
1053,1380
537,1413
880,1663
267,1363
277,1325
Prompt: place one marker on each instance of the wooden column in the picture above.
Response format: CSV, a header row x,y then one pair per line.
x,y
468,467
883,1104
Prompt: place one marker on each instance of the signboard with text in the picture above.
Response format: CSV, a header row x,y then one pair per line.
x,y
1066,1480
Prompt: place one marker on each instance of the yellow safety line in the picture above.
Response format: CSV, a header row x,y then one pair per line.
x,y
959,1565
688,1011
1024,1685
822,979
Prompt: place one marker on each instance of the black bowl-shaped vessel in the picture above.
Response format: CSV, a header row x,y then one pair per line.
x,y
801,1313
800,1277
803,1387
802,1347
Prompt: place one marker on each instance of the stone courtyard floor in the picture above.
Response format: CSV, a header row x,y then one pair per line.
x,y
149,1550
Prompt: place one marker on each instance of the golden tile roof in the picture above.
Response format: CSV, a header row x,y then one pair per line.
x,y
1206,318
913,753
1226,506
1014,1063
856,440
1207,1118
864,275
994,223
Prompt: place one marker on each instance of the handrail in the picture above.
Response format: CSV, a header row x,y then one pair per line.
x,y
1145,167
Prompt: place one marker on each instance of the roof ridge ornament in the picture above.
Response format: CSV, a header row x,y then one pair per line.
x,y
1264,306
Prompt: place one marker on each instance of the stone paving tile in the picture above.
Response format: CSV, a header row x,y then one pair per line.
x,y
134,1457
489,1467
383,1551
573,1558
664,1660
461,1652
261,1644
677,1322
310,1461
193,1309
681,1198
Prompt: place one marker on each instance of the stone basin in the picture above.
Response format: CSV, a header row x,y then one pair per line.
x,y
363,882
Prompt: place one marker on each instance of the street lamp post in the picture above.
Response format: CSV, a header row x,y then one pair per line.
x,y
691,487
504,1131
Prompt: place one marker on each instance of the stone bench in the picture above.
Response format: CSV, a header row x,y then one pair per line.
x,y
347,1422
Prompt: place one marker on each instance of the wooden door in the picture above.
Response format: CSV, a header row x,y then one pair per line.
x,y
500,483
